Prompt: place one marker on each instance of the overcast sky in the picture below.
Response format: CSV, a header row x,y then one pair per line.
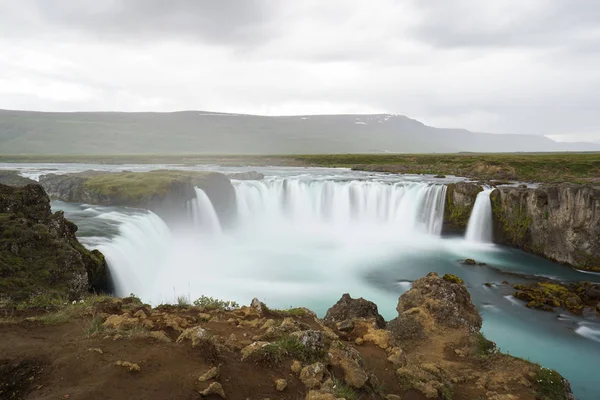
x,y
506,66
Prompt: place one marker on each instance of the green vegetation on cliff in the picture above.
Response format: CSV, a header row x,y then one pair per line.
x,y
40,257
134,188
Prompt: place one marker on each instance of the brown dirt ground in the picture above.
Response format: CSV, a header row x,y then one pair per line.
x,y
40,361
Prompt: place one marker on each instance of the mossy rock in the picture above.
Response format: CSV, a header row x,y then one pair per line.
x,y
453,278
40,257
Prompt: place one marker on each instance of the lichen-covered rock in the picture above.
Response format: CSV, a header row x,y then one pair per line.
x,y
312,375
195,334
348,308
131,367
319,395
313,341
39,252
212,373
215,388
447,302
559,222
349,360
280,384
251,349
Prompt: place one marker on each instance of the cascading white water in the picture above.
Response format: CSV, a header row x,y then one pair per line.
x,y
136,255
407,206
203,214
479,228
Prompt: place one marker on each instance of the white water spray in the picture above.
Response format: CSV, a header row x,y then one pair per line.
x,y
479,228
407,206
203,214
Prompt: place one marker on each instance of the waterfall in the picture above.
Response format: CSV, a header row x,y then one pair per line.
x,y
479,228
136,255
409,206
202,214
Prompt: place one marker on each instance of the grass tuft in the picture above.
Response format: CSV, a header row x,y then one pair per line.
x,y
549,385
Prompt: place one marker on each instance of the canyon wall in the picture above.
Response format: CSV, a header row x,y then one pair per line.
x,y
559,222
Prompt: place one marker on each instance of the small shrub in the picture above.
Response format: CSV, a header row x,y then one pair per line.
x,y
215,304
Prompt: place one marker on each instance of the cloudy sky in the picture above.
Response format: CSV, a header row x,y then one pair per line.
x,y
506,66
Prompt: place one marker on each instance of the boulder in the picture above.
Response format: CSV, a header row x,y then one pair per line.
x,y
280,384
348,308
251,349
313,341
195,334
349,360
215,388
312,375
447,302
212,373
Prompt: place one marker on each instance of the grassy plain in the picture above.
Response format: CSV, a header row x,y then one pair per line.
x,y
529,167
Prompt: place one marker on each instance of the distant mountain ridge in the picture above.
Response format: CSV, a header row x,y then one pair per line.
x,y
202,132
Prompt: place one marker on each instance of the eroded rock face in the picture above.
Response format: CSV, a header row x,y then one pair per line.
x,y
559,222
433,301
39,253
460,199
348,308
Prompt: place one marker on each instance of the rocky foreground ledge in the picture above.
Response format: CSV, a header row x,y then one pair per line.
x,y
112,348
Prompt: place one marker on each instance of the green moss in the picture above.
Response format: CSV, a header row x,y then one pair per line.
x,y
137,188
515,222
452,278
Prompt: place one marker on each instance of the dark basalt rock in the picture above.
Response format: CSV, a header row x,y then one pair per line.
x,y
559,222
348,308
39,253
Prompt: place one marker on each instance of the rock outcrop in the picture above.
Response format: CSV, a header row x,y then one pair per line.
x,y
433,302
460,199
165,192
559,222
39,253
348,309
246,176
12,178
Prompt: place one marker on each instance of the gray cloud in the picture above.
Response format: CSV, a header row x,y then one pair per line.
x,y
220,22
532,24
505,66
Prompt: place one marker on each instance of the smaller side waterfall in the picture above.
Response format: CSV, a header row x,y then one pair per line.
x,y
479,228
203,214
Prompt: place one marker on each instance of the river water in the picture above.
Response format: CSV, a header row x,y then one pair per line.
x,y
304,237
